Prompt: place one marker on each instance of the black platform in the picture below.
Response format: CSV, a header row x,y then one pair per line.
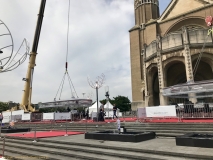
x,y
14,130
122,137
195,140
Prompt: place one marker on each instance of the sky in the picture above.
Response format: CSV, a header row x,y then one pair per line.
x,y
98,44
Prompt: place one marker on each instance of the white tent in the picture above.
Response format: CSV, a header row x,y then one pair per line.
x,y
107,106
93,108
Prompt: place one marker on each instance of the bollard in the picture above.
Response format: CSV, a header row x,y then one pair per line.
x,y
51,126
86,126
0,128
35,134
29,126
3,148
66,128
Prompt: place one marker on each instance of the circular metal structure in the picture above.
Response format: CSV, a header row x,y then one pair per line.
x,y
8,60
6,45
199,89
71,103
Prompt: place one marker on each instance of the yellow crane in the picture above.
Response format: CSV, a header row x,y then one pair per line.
x,y
27,92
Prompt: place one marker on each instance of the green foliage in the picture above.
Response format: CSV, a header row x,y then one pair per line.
x,y
123,103
4,106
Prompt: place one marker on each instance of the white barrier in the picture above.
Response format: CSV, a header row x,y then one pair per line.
x,y
19,112
161,111
142,112
6,117
48,116
60,116
26,117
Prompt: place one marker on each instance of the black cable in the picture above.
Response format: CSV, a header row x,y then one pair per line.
x,y
200,55
60,86
72,84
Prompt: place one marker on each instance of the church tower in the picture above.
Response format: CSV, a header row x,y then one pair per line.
x,y
146,11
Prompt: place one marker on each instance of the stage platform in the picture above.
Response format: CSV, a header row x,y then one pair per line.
x,y
45,134
14,130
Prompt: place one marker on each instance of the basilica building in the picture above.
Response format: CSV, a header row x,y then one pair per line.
x,y
164,48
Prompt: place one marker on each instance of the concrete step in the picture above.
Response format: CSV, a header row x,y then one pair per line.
x,y
115,154
48,153
131,153
66,153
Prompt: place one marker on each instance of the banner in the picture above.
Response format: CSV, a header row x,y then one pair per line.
x,y
62,116
47,116
161,111
26,117
142,112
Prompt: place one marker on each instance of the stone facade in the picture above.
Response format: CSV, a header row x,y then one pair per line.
x,y
164,49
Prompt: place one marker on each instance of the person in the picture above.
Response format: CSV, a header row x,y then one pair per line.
x,y
118,124
101,115
1,117
114,111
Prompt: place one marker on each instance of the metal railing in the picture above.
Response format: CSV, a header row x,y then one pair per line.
x,y
195,111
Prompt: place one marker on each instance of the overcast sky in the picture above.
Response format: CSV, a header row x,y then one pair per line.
x,y
98,43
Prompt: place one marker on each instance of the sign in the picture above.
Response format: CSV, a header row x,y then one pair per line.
x,y
26,117
47,116
161,111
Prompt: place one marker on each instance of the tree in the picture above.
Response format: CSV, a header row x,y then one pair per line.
x,y
123,103
4,106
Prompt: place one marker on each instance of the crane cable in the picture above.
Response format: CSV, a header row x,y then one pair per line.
x,y
66,65
201,52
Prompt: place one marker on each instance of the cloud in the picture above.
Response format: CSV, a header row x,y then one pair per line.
x,y
98,43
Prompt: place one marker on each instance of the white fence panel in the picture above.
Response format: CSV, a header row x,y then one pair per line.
x,y
161,111
26,117
141,112
60,116
6,117
48,116
19,112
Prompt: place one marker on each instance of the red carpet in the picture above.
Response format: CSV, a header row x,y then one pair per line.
x,y
43,134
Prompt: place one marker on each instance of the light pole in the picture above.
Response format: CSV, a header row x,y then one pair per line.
x,y
96,87
98,84
107,97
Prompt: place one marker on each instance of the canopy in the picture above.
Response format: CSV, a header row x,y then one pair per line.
x,y
93,108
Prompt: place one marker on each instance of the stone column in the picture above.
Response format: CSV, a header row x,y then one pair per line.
x,y
145,76
188,60
163,100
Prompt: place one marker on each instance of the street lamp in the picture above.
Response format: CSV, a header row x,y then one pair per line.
x,y
107,97
98,84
